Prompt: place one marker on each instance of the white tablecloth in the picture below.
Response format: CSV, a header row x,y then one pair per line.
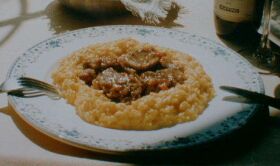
x,y
23,23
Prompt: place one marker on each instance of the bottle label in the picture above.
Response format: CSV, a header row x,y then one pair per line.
x,y
235,10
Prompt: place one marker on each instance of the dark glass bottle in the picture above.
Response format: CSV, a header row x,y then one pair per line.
x,y
237,17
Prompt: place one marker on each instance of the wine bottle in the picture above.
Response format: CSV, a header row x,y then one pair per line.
x,y
237,17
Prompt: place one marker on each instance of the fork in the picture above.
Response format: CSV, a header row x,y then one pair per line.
x,y
28,87
37,84
44,87
28,93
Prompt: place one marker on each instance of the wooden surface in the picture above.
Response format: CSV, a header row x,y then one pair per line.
x,y
24,23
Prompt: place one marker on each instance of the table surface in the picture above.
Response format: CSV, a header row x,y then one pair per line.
x,y
23,23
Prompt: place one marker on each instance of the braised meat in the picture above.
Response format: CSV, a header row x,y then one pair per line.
x,y
121,87
102,63
142,59
162,79
88,75
132,75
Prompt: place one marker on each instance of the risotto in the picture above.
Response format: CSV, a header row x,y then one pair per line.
x,y
130,85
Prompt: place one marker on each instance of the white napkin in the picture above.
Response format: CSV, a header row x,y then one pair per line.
x,y
150,11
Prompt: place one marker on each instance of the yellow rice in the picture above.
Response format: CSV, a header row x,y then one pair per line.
x,y
182,103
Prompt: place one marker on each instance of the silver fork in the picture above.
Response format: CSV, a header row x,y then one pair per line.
x,y
27,93
37,84
12,87
28,87
44,87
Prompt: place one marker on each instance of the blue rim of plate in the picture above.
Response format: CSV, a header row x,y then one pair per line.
x,y
237,121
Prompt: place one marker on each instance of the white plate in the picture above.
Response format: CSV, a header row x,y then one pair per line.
x,y
58,119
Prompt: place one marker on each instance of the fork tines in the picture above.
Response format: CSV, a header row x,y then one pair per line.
x,y
27,93
37,84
